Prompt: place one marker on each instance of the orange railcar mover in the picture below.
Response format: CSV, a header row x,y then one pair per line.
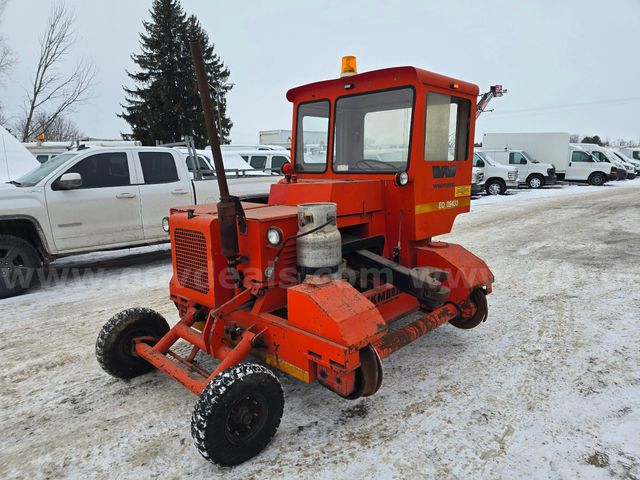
x,y
335,272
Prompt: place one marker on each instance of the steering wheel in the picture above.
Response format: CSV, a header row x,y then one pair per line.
x,y
367,161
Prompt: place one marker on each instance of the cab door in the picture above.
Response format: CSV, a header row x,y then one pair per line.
x,y
104,211
516,159
161,187
580,166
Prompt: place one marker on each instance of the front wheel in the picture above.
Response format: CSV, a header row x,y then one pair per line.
x,y
18,263
237,414
597,179
114,345
535,181
495,187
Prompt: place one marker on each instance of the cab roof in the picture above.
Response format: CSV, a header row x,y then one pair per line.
x,y
400,75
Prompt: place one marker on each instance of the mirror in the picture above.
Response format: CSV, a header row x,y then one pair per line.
x,y
523,161
69,181
480,163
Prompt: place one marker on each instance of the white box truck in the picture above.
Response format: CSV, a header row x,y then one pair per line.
x,y
572,163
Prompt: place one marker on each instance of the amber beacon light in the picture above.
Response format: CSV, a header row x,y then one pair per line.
x,y
348,66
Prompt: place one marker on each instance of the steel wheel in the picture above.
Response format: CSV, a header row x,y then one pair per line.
x,y
479,299
368,375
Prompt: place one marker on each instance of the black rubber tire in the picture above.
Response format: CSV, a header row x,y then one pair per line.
x,y
597,179
23,256
212,423
114,346
479,297
495,187
533,180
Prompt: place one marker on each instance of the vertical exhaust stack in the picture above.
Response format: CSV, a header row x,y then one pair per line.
x,y
229,207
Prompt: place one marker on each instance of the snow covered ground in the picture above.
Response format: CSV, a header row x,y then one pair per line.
x,y
548,387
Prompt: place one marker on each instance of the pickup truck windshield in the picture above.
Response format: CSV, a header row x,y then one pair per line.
x,y
37,174
372,132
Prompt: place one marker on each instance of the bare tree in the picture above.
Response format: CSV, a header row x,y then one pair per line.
x,y
61,129
52,91
6,55
6,60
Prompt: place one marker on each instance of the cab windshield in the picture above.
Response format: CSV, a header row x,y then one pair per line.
x,y
36,175
483,156
372,132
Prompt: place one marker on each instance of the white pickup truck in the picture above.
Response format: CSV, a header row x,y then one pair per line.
x,y
98,198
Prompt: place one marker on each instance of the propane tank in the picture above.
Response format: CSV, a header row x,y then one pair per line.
x,y
319,252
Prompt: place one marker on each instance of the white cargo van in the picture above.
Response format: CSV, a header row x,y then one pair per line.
x,y
571,162
631,152
497,177
266,160
530,171
624,158
623,171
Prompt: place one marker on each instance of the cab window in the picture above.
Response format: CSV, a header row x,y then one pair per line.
x,y
312,137
372,132
447,127
516,158
276,163
581,157
102,170
158,167
259,162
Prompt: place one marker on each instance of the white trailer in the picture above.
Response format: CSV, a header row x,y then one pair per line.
x,y
571,162
15,160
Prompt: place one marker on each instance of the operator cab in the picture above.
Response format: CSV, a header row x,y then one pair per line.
x,y
408,128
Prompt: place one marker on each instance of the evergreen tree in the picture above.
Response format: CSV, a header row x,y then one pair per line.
x,y
165,104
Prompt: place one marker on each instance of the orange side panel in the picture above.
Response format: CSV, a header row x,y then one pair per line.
x,y
334,310
466,271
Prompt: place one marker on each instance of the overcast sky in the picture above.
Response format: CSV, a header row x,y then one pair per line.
x,y
569,65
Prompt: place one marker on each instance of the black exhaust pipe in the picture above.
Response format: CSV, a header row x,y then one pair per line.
x,y
229,207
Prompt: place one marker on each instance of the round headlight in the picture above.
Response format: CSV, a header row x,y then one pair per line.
x,y
402,178
274,236
165,224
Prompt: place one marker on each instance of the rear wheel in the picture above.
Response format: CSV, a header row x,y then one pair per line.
x,y
18,263
114,346
495,187
597,179
237,414
479,299
535,181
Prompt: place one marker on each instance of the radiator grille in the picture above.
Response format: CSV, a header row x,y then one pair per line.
x,y
190,249
289,256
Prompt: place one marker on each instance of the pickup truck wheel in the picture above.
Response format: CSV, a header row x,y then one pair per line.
x,y
19,261
597,179
495,187
535,181
114,345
